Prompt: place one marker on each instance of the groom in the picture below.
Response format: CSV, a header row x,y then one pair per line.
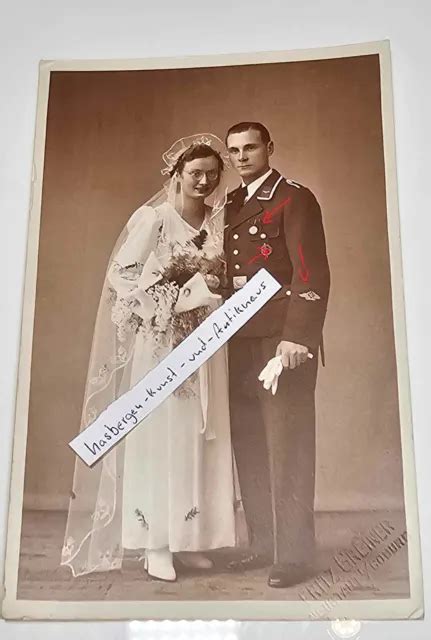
x,y
275,223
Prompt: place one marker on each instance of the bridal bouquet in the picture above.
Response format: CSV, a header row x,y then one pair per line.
x,y
167,302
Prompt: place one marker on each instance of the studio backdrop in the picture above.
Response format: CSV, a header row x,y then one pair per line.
x,y
106,133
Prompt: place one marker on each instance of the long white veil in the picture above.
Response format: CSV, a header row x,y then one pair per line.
x,y
93,531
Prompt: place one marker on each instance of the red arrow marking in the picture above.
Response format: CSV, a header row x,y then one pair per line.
x,y
304,272
254,258
264,251
267,216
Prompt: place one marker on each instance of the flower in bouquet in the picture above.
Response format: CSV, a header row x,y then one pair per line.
x,y
123,317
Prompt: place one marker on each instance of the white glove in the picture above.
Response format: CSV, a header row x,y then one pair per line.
x,y
270,374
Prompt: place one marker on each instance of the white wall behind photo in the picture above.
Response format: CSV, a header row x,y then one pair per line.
x,y
138,29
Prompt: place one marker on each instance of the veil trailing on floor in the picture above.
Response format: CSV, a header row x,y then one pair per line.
x,y
93,531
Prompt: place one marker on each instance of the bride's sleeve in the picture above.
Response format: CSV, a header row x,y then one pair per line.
x,y
141,239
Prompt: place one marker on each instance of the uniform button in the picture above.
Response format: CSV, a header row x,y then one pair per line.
x,y
235,236
235,252
253,230
263,236
237,266
288,292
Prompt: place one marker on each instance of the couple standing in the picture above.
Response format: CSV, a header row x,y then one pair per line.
x,y
172,487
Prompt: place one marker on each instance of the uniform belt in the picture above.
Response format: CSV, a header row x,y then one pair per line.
x,y
230,289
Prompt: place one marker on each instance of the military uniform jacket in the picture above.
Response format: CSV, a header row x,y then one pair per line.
x,y
280,228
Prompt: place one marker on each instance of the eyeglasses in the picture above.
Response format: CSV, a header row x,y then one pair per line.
x,y
197,175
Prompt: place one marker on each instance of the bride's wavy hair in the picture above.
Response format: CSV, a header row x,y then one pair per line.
x,y
194,152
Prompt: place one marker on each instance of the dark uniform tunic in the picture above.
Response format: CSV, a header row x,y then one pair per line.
x,y
279,228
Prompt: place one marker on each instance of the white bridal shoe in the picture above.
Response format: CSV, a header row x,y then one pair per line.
x,y
194,560
158,563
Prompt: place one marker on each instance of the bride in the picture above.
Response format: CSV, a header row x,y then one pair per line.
x,y
169,488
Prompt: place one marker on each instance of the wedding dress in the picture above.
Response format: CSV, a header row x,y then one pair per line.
x,y
178,477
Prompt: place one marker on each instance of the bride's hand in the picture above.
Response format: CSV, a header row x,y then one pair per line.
x,y
194,293
213,282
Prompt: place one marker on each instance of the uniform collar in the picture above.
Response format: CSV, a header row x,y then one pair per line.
x,y
267,189
254,186
256,203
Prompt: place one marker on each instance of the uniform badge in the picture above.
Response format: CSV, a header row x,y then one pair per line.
x,y
266,192
266,250
239,281
311,296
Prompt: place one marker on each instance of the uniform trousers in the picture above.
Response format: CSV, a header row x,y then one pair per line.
x,y
274,445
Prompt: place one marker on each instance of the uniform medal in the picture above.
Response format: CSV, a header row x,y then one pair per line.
x,y
266,250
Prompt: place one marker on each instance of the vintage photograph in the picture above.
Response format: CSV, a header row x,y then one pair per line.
x,y
277,481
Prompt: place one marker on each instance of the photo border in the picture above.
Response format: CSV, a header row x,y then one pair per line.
x,y
394,609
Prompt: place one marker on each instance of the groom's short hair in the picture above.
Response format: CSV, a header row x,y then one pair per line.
x,y
247,126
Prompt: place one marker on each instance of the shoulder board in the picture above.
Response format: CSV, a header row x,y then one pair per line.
x,y
293,183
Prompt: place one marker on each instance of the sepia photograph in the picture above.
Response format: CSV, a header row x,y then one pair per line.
x,y
276,481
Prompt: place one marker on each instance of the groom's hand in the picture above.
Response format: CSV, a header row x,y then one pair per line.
x,y
292,354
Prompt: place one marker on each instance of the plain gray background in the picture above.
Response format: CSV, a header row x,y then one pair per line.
x,y
138,29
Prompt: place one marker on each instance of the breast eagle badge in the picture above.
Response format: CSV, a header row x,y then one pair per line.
x,y
311,296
